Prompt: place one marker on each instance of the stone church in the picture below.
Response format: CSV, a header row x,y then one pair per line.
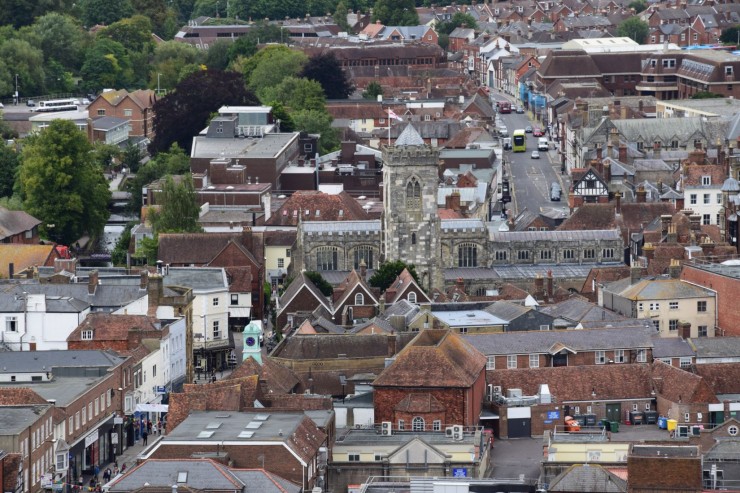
x,y
443,250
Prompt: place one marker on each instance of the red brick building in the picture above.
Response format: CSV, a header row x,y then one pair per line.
x,y
136,107
437,380
113,332
723,280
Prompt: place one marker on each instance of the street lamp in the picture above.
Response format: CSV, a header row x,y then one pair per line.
x,y
158,89
16,89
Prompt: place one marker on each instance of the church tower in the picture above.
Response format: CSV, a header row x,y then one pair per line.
x,y
411,227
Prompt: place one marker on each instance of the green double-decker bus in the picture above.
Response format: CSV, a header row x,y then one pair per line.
x,y
519,141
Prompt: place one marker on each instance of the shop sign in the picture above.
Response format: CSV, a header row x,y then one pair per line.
x,y
91,438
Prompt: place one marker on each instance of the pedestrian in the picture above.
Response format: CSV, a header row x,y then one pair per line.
x,y
97,471
144,436
213,378
116,471
149,426
154,428
159,427
123,468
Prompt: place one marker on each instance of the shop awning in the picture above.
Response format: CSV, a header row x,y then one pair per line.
x,y
152,408
240,312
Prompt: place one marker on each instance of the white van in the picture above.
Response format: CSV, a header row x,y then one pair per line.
x,y
542,144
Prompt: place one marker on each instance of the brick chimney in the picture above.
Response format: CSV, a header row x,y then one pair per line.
x,y
635,274
460,284
674,270
549,285
695,221
665,221
622,153
641,194
452,201
649,250
672,234
606,171
599,152
143,279
618,202
707,246
363,269
248,238
155,290
656,149
539,287
685,330
92,282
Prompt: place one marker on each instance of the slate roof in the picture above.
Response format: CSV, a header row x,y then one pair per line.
x,y
671,348
16,419
434,358
196,277
330,346
719,347
578,309
726,449
657,289
586,478
375,325
409,137
15,222
27,362
506,310
202,474
531,342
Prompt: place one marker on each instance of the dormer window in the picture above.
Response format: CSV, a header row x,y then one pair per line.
x,y
87,335
359,299
728,70
706,181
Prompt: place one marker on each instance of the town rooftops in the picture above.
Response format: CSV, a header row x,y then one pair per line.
x,y
15,222
468,318
658,289
369,438
197,278
15,419
268,146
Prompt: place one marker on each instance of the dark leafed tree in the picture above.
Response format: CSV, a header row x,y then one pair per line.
x,y
388,272
185,111
396,12
325,69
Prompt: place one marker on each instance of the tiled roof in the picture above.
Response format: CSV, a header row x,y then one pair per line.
x,y
585,478
277,378
295,287
723,378
678,385
693,174
109,327
178,248
23,257
586,340
590,216
434,358
20,396
330,346
15,222
306,203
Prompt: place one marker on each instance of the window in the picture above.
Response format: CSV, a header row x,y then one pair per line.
x,y
568,254
77,420
436,425
673,305
728,70
619,355
11,324
589,253
287,252
534,360
692,199
359,299
600,357
522,255
154,371
706,219
326,258
71,424
544,327
353,456
634,407
128,113
417,424
687,417
491,363
501,255
701,306
511,361
216,330
463,330
413,194
363,252
706,198
674,144
281,263
234,299
467,255
411,297
97,406
381,121
640,307
684,362
607,253
87,335
706,181
702,330
215,301
673,325
719,198
669,62
641,356
427,118
401,425
101,112
654,306
378,456
696,36
545,254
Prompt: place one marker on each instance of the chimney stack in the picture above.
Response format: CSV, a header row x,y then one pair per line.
x,y
623,153
695,221
549,285
155,290
635,274
606,171
674,270
665,221
649,251
672,234
92,282
539,287
618,202
641,194
363,269
598,152
143,279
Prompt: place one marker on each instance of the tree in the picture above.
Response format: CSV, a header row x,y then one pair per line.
x,y
325,69
172,62
279,113
184,112
105,12
634,28
61,186
134,33
171,162
340,16
297,94
179,209
321,283
8,168
730,35
372,91
638,5
156,11
56,78
396,13
119,255
105,155
317,122
270,66
23,59
217,55
107,64
131,157
62,39
19,13
459,19
706,95
388,272
209,8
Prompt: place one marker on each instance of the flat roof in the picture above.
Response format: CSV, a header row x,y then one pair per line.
x,y
729,268
236,426
665,451
196,277
468,318
268,146
723,106
370,437
15,419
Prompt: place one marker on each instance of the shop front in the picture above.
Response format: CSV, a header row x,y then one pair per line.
x,y
94,449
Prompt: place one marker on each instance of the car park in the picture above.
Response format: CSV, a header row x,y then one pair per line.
x,y
528,129
535,154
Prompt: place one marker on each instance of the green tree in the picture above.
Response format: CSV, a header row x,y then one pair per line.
x,y
209,8
19,13
638,5
396,12
217,56
8,169
372,91
171,162
105,156
318,122
459,19
706,95
6,131
56,78
107,64
172,62
184,112
297,94
133,33
60,184
634,28
21,58
178,207
62,39
388,272
340,16
279,113
271,65
156,11
321,283
327,70
105,12
730,35
131,157
119,255
148,250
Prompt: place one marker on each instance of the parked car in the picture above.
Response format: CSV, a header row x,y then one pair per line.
x,y
504,131
555,192
535,154
85,101
528,129
537,132
520,109
31,103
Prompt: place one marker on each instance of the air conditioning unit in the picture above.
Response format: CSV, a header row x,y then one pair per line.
x,y
682,431
386,428
358,427
457,432
496,390
513,393
450,431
